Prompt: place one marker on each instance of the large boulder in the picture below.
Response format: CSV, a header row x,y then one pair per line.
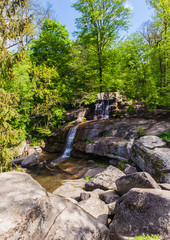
x,y
29,212
135,180
141,211
151,155
105,180
106,146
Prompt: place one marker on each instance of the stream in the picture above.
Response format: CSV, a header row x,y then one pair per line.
x,y
51,178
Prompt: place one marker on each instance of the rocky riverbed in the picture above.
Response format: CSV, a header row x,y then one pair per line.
x,y
111,205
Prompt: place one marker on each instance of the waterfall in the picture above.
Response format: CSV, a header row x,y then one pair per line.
x,y
102,109
68,148
69,142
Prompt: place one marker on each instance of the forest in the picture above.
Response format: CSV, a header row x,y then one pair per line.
x,y
43,73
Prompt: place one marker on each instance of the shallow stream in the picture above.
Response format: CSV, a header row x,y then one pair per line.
x,y
51,177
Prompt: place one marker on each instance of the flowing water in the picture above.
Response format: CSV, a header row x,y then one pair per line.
x,y
69,142
102,109
68,148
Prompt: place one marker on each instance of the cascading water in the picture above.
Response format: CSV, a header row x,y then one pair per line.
x,y
102,109
69,143
68,148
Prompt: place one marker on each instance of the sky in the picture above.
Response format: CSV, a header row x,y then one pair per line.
x,y
66,15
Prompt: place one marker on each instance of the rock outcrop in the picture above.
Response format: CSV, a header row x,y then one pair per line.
x,y
151,155
141,211
29,212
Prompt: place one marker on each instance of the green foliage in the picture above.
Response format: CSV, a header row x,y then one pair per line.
x,y
121,166
165,136
130,109
9,136
98,26
147,237
87,177
90,140
37,141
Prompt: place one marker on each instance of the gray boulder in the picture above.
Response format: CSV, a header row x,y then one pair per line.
x,y
141,211
31,160
29,212
109,146
105,180
150,155
135,180
96,208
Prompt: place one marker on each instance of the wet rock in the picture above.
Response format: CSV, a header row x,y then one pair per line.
x,y
109,196
29,212
96,208
31,160
141,211
56,142
149,155
105,180
135,180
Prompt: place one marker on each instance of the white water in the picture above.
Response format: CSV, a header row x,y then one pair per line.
x,y
69,142
102,110
68,148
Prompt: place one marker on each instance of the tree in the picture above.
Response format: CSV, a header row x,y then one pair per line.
x,y
99,25
50,56
162,21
